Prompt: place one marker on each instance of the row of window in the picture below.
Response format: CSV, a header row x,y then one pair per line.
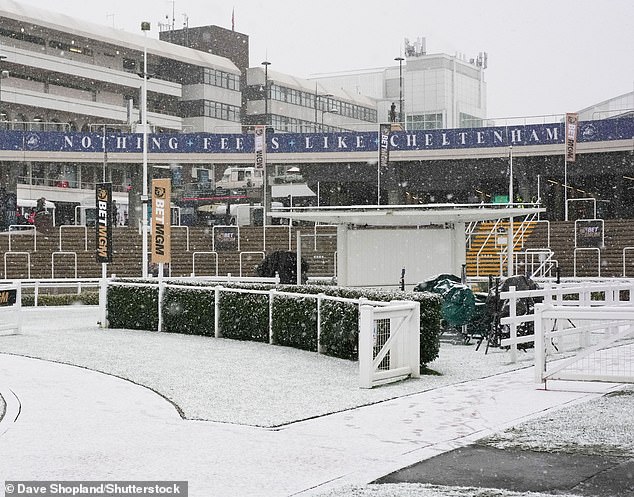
x,y
70,47
321,102
221,79
38,40
291,125
209,108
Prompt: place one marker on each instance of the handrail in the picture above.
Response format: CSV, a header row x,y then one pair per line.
x,y
494,229
28,262
250,253
22,228
186,231
215,254
74,254
290,235
580,249
74,226
625,249
545,265
592,199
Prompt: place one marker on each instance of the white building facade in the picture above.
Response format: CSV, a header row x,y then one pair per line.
x,y
70,74
436,90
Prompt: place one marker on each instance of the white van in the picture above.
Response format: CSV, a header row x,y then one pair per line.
x,y
240,177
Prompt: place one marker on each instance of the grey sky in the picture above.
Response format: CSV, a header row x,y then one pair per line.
x,y
545,56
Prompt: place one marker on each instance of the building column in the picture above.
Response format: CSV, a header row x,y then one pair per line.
x,y
134,196
8,194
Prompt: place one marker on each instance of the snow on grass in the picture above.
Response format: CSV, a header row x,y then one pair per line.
x,y
228,380
604,426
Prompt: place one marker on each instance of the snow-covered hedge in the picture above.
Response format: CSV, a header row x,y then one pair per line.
x,y
245,316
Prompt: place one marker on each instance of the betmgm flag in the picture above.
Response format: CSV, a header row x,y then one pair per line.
x,y
260,147
572,124
103,224
384,144
161,221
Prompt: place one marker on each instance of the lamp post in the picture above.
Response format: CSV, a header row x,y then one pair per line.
x,y
327,111
266,195
400,88
317,100
145,27
266,65
2,73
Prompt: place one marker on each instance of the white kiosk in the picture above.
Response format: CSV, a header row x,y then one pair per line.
x,y
374,243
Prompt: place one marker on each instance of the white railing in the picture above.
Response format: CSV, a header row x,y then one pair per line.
x,y
39,284
28,262
389,343
72,226
586,249
574,294
625,250
592,343
195,254
535,263
21,229
249,256
402,345
63,253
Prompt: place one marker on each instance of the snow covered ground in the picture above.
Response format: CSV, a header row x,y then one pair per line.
x,y
261,385
228,380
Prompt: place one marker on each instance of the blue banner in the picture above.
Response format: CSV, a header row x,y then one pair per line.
x,y
367,141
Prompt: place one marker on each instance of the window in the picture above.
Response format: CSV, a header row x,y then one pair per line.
x,y
424,121
129,65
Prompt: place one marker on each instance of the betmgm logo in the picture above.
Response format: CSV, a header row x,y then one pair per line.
x,y
159,213
103,224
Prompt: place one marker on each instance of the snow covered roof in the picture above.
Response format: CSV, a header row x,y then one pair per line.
x,y
404,215
20,11
309,86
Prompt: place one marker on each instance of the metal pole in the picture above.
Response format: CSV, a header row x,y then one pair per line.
x,y
2,57
565,187
145,27
509,241
265,183
400,88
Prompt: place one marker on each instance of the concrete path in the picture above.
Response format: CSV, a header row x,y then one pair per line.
x,y
69,423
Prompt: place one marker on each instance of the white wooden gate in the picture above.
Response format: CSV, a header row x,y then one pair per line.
x,y
584,343
10,309
389,343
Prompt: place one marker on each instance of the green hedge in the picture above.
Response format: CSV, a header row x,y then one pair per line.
x,y
245,316
84,298
133,308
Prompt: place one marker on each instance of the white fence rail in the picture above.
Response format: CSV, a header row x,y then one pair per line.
x,y
389,343
598,294
593,343
403,344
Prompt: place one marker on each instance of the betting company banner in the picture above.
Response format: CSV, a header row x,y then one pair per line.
x,y
103,224
260,147
384,144
161,221
572,121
